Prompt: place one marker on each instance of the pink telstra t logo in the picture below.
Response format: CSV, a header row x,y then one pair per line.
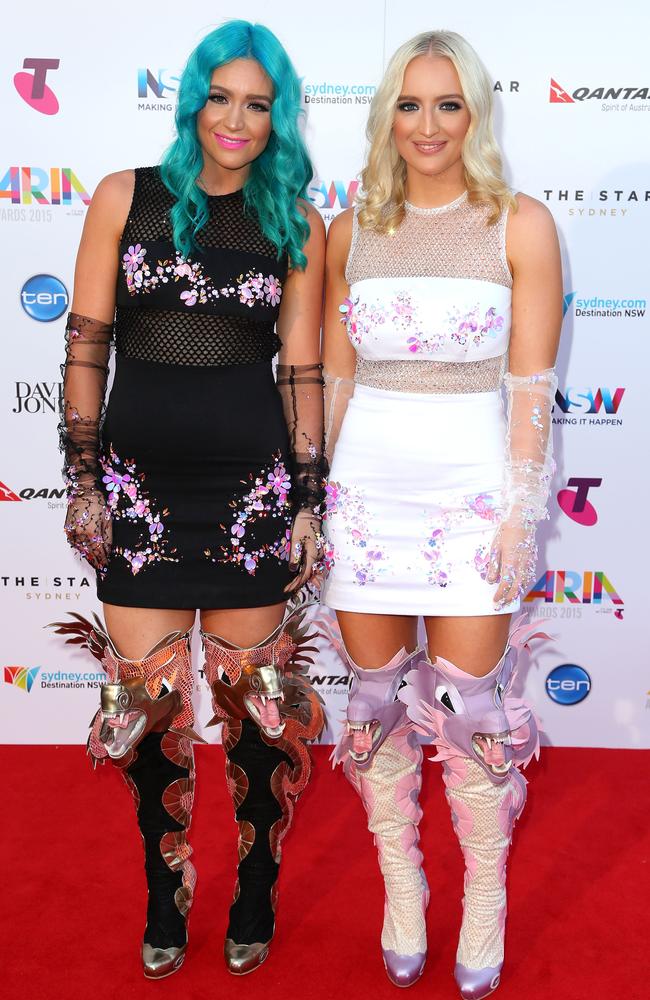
x,y
32,86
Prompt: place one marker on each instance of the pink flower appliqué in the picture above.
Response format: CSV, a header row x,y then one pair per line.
x,y
133,258
127,501
182,268
483,504
279,480
155,527
265,500
272,290
189,298
114,481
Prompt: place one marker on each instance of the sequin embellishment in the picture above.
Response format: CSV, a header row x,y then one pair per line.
x,y
368,560
267,497
249,288
363,321
127,500
474,505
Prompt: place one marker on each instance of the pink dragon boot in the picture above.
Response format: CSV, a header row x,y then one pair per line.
x,y
483,735
382,759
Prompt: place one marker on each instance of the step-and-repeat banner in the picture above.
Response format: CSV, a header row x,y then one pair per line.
x,y
90,89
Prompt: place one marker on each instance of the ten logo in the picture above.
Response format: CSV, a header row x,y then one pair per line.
x,y
44,297
33,88
574,503
568,684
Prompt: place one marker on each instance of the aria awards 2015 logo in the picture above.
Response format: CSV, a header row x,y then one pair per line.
x,y
42,186
576,590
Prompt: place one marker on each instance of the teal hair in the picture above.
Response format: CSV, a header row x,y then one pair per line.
x,y
279,175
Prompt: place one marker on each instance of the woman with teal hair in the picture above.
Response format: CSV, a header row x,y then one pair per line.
x,y
197,486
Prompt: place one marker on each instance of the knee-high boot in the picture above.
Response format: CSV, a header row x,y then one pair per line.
x,y
382,759
269,711
483,734
144,727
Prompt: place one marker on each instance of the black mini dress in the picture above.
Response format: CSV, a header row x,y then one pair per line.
x,y
194,455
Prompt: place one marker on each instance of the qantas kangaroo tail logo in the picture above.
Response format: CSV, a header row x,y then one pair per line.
x,y
7,494
558,94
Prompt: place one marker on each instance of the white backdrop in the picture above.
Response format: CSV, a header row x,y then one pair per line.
x,y
573,109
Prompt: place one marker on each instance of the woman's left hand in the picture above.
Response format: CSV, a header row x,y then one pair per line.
x,y
512,560
306,545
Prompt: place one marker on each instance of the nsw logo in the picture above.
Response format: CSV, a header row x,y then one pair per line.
x,y
568,684
21,677
44,297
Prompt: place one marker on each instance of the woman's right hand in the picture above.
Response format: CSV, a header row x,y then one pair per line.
x,y
88,526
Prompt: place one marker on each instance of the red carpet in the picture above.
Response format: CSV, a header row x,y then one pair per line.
x,y
73,887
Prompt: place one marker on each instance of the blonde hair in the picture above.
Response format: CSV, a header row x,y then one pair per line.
x,y
383,179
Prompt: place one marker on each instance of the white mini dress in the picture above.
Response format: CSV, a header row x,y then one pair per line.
x,y
415,490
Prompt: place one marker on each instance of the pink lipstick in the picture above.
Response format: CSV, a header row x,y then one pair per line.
x,y
226,143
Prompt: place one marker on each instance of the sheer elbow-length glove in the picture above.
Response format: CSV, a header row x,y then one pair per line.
x,y
528,473
301,389
85,372
338,392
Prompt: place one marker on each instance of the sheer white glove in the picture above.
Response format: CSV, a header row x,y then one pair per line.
x,y
528,472
338,393
512,559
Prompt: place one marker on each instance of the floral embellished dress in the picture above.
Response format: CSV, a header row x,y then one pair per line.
x,y
414,496
195,451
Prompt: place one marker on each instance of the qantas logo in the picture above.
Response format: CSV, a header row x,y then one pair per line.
x,y
7,494
558,94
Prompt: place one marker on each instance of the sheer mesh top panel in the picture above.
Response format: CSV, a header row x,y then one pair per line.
x,y
171,320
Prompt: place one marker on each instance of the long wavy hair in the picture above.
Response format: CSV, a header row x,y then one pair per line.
x,y
279,175
384,175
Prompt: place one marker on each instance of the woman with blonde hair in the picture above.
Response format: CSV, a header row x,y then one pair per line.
x,y
450,291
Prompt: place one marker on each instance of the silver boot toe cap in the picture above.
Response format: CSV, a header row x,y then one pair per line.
x,y
244,958
160,962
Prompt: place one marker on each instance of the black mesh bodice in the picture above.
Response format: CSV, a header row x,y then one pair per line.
x,y
217,308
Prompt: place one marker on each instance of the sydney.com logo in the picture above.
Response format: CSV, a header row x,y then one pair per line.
x,y
595,307
21,677
24,678
338,93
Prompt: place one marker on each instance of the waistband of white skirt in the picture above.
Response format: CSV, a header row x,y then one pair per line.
x,y
368,395
430,377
